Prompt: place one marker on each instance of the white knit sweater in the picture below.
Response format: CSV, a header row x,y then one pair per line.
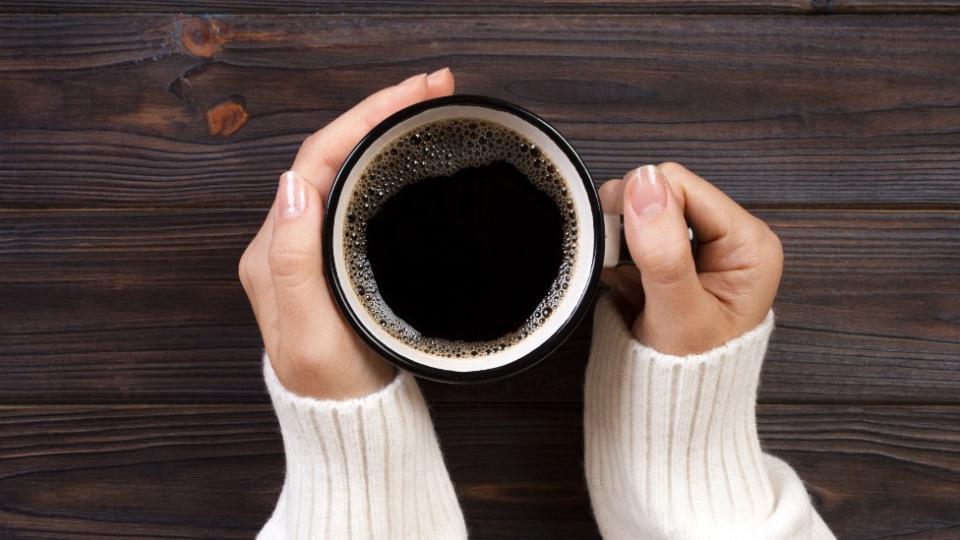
x,y
671,453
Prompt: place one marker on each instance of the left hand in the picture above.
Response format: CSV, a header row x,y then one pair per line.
x,y
313,351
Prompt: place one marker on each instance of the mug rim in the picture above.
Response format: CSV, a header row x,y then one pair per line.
x,y
526,361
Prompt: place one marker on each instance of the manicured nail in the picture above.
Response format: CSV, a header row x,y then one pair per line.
x,y
647,191
434,78
292,195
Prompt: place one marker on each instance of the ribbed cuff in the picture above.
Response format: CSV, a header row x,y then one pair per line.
x,y
671,442
361,468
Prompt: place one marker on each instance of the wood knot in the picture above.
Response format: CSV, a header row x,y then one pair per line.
x,y
201,37
228,117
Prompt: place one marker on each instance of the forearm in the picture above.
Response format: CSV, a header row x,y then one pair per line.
x,y
672,447
361,468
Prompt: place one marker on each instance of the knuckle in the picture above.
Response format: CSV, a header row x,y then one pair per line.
x,y
776,252
760,228
762,247
247,270
286,260
243,272
667,264
776,245
311,141
251,268
753,253
767,238
671,168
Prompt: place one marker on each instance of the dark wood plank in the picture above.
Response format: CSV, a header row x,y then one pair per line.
x,y
869,301
202,471
153,295
138,472
120,306
884,6
778,111
327,7
860,462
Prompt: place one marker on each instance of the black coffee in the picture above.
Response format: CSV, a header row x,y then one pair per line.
x,y
467,256
460,238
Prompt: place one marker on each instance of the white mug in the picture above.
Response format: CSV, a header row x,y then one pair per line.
x,y
598,242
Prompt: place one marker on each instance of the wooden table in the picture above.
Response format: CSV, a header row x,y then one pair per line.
x,y
140,143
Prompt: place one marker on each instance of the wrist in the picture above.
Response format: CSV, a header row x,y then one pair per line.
x,y
695,333
698,333
356,374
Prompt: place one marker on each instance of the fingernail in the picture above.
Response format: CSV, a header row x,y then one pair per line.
x,y
647,191
410,80
434,78
292,195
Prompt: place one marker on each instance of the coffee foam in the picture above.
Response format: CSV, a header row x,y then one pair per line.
x,y
437,149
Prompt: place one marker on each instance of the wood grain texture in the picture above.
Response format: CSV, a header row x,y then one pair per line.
x,y
140,145
777,111
325,7
215,471
121,306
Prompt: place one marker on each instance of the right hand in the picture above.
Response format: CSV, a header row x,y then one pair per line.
x,y
313,351
679,306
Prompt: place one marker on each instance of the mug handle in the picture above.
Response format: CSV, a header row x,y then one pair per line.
x,y
615,252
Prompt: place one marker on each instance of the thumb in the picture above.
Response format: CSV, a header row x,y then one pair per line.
x,y
659,245
295,265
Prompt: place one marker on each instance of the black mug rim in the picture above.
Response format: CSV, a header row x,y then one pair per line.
x,y
526,361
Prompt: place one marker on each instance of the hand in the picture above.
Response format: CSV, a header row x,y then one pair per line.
x,y
314,352
681,308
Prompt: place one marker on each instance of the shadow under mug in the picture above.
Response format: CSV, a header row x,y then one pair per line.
x,y
598,242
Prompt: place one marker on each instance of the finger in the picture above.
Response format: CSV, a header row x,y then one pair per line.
x,y
630,273
713,215
294,256
730,238
438,83
624,278
255,257
611,196
322,153
258,284
657,238
630,289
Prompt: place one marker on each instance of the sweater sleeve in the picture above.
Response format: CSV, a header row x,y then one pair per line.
x,y
672,450
361,468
